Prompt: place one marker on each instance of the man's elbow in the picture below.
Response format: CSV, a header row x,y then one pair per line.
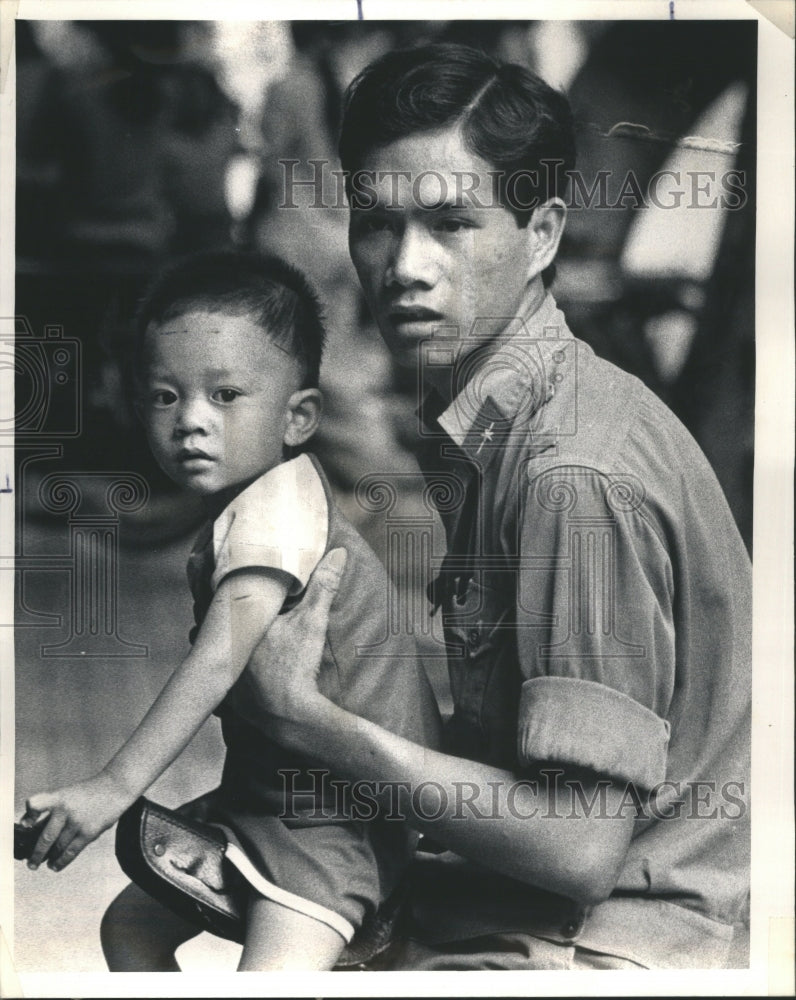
x,y
595,867
593,886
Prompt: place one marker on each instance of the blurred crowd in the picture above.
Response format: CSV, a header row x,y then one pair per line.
x,y
139,140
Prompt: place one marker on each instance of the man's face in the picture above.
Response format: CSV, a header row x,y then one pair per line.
x,y
430,260
215,400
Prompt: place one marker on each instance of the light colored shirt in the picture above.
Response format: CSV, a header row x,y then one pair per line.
x,y
597,598
281,521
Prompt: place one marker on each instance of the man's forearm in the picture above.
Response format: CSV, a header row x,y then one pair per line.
x,y
560,846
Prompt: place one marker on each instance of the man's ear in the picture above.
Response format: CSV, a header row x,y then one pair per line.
x,y
303,415
545,229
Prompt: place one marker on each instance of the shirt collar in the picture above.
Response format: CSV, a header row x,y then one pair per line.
x,y
520,375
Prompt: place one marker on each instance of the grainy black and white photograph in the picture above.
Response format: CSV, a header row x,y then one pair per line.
x,y
388,457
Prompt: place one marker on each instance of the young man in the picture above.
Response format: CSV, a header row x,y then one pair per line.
x,y
591,799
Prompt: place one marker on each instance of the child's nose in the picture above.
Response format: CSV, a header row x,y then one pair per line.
x,y
191,417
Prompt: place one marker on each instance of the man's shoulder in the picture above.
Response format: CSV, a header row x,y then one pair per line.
x,y
605,417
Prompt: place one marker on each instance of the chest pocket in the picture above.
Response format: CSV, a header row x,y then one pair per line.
x,y
485,679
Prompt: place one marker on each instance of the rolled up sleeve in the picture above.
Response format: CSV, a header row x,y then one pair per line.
x,y
595,628
576,721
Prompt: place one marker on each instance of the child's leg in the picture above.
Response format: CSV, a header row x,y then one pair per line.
x,y
281,938
140,935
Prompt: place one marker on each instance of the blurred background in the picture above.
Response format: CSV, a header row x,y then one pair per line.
x,y
140,140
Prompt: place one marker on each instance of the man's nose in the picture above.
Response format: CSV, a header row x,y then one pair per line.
x,y
412,259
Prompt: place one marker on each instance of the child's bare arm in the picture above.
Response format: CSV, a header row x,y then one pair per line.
x,y
242,609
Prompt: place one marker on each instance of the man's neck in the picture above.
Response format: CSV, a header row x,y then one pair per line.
x,y
443,379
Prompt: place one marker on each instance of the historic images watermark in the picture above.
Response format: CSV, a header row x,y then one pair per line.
x,y
519,191
316,795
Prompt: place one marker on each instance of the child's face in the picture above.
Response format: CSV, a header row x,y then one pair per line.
x,y
217,399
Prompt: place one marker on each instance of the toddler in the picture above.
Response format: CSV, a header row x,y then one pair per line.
x,y
229,349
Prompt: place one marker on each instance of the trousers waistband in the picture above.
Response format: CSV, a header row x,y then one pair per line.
x,y
453,900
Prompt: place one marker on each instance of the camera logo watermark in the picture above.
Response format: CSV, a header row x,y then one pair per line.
x,y
47,382
48,396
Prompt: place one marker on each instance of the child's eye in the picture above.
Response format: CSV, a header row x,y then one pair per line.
x,y
163,397
225,395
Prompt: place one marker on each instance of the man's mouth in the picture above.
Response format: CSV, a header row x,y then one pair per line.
x,y
400,314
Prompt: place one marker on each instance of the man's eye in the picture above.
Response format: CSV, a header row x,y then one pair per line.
x,y
163,397
366,223
225,395
452,225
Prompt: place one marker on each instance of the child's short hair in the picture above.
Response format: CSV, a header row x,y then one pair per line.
x,y
272,293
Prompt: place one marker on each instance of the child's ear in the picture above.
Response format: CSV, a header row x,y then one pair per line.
x,y
303,416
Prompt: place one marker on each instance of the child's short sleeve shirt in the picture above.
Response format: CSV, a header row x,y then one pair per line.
x,y
280,521
290,834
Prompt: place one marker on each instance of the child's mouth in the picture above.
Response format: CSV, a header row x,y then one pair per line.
x,y
189,456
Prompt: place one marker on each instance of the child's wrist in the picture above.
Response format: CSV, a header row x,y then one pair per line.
x,y
123,794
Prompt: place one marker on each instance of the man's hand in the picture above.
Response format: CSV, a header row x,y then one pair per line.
x,y
283,670
78,814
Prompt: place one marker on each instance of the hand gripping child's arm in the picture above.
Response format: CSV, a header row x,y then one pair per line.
x,y
243,608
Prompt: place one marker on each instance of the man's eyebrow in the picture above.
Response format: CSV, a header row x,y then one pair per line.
x,y
444,205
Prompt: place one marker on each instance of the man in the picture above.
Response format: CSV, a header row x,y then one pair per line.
x,y
591,802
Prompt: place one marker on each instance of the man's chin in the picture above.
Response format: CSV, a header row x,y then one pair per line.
x,y
407,359
403,354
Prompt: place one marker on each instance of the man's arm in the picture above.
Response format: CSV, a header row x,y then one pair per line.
x,y
243,607
544,836
545,833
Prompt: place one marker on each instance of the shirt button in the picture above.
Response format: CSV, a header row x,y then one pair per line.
x,y
473,637
159,848
573,926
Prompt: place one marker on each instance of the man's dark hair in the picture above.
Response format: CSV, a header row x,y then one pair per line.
x,y
509,117
273,294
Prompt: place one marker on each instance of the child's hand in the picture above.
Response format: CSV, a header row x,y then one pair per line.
x,y
78,814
